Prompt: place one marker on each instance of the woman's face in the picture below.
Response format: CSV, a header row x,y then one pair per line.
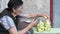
x,y
18,10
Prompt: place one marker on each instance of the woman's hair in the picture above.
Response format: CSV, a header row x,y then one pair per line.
x,y
14,4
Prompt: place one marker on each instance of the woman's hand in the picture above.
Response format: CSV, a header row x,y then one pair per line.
x,y
43,15
34,22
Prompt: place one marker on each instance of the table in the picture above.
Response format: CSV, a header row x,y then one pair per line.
x,y
52,31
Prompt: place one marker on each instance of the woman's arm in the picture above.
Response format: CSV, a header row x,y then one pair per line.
x,y
36,15
13,30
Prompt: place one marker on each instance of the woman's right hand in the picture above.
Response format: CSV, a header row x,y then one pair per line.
x,y
34,22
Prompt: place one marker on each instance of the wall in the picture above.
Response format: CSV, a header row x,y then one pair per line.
x,y
37,6
56,8
3,4
30,6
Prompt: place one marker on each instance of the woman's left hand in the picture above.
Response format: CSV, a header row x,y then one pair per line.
x,y
45,16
